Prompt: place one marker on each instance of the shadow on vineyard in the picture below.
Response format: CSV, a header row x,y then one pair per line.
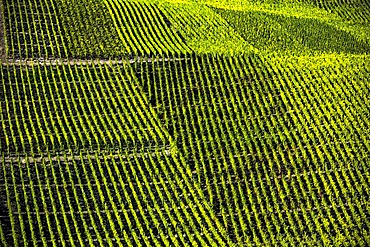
x,y
5,220
36,38
292,34
353,11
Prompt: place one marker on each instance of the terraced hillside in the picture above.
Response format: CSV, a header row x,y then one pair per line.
x,y
184,123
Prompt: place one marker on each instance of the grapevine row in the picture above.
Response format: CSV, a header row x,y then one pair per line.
x,y
222,113
87,106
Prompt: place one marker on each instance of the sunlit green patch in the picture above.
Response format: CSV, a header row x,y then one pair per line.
x,y
296,35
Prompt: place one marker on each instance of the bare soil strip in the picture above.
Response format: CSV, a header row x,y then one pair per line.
x,y
55,62
92,156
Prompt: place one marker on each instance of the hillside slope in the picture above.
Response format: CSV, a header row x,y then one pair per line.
x,y
184,123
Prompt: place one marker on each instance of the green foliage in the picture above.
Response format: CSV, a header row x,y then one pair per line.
x,y
89,30
355,11
350,16
203,30
144,29
280,33
185,123
270,139
86,137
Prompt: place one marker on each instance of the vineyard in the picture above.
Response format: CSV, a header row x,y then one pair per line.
x,y
184,123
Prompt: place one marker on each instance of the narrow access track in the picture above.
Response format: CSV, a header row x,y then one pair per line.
x,y
56,62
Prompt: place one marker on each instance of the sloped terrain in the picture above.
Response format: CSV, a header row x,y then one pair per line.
x,y
270,145
184,123
291,34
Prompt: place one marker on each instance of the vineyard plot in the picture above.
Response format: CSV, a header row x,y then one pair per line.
x,y
32,29
267,151
144,29
355,11
204,30
84,162
71,107
89,30
185,123
107,198
292,34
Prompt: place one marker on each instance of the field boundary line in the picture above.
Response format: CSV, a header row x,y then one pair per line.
x,y
64,157
56,62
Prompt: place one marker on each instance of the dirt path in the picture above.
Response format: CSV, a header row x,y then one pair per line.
x,y
52,62
88,156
